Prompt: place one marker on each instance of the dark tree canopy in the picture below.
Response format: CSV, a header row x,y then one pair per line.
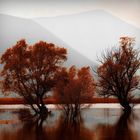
x,y
75,86
117,72
30,71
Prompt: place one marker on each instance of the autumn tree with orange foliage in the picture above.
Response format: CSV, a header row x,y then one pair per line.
x,y
74,87
117,72
30,71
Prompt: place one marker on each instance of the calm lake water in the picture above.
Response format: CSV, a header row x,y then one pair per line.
x,y
96,124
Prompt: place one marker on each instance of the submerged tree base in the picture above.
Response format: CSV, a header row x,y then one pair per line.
x,y
43,112
26,115
127,108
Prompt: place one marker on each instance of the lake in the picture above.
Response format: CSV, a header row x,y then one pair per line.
x,y
97,123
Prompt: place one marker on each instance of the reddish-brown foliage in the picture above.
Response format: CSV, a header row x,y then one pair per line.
x,y
30,71
117,73
74,87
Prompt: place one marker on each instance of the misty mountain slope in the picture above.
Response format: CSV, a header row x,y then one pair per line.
x,y
90,32
13,29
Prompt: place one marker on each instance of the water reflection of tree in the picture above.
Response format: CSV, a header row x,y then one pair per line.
x,y
122,130
35,128
73,130
30,127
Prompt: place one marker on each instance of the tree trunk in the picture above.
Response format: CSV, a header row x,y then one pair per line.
x,y
43,110
125,105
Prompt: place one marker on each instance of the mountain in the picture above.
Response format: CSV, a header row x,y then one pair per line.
x,y
13,29
90,32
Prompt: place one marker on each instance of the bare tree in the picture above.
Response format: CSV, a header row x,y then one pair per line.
x,y
117,72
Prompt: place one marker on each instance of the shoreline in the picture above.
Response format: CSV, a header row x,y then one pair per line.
x,y
50,106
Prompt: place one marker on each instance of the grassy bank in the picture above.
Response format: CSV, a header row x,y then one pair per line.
x,y
53,101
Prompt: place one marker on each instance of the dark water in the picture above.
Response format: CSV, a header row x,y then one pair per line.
x,y
96,124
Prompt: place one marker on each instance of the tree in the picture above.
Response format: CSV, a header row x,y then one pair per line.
x,y
74,87
30,71
117,72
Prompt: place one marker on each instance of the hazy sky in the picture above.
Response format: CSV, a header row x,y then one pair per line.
x,y
128,10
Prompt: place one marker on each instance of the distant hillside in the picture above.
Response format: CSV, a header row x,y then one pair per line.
x,y
90,32
13,29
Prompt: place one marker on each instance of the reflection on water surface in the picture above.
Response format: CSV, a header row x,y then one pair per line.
x,y
96,124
